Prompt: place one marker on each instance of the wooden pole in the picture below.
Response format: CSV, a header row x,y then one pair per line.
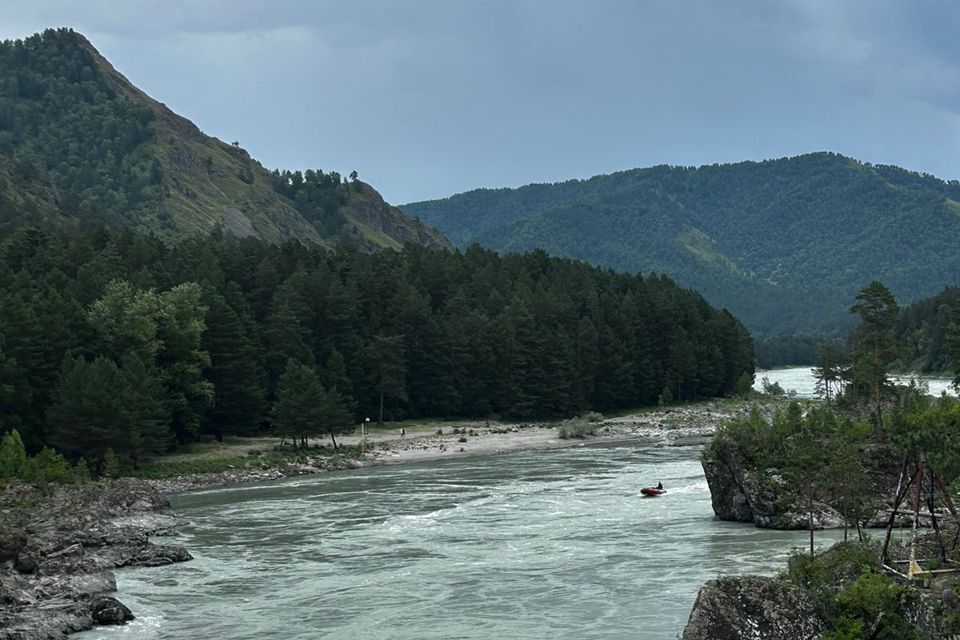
x,y
897,499
933,518
916,517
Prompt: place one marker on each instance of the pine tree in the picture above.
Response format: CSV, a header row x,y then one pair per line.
x,y
90,411
238,397
874,346
828,373
301,410
284,339
181,359
387,369
147,405
334,378
337,416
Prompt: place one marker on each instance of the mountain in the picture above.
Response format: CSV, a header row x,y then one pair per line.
x,y
79,143
784,244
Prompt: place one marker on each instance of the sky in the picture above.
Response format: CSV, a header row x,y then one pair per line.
x,y
427,98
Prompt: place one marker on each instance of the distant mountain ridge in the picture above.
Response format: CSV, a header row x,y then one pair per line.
x,y
79,143
784,244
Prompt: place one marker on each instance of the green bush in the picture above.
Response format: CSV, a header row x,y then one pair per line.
x,y
826,572
81,471
872,600
851,597
111,464
579,427
47,466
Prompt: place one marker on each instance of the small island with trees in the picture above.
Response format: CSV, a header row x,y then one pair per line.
x,y
869,455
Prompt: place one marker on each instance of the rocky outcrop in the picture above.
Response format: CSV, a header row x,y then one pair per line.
x,y
366,208
752,607
742,494
59,545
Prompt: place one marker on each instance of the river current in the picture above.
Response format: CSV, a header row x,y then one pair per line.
x,y
542,544
799,382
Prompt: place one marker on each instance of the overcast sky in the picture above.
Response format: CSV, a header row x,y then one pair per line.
x,y
429,98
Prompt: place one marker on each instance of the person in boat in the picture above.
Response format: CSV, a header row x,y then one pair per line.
x,y
659,486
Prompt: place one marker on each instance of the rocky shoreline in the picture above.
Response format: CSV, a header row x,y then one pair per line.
x,y
58,549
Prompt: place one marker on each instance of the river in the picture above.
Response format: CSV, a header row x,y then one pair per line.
x,y
543,544
800,380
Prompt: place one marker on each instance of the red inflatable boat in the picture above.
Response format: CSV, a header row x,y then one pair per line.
x,y
652,492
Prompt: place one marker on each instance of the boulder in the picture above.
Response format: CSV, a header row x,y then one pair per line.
x,y
12,542
109,610
26,563
752,607
741,494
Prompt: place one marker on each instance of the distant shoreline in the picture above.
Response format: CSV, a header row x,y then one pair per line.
x,y
667,426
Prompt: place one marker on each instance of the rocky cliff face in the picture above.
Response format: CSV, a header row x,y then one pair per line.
x,y
57,550
760,496
383,225
752,607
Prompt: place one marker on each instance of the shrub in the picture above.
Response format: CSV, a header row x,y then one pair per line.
x,y
578,427
111,465
873,599
81,470
47,466
13,456
771,388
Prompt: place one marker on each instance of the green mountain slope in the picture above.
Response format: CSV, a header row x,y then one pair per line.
x,y
784,244
79,143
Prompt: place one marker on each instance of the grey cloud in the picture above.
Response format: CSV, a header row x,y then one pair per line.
x,y
426,98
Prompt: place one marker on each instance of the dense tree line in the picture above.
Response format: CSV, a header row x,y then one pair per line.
x,y
928,333
791,350
924,333
888,337
318,196
112,340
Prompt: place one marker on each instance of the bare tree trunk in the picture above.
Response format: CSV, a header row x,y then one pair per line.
x,y
846,522
334,440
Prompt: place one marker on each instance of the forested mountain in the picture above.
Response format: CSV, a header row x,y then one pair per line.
x,y
114,339
80,144
784,244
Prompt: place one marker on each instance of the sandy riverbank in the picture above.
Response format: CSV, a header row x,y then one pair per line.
x,y
689,424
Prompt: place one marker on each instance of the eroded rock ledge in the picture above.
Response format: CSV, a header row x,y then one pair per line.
x,y
752,607
740,493
58,548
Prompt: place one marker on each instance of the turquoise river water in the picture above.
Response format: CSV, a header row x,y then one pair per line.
x,y
544,544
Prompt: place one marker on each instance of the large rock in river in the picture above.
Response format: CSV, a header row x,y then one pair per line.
x,y
740,493
752,607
